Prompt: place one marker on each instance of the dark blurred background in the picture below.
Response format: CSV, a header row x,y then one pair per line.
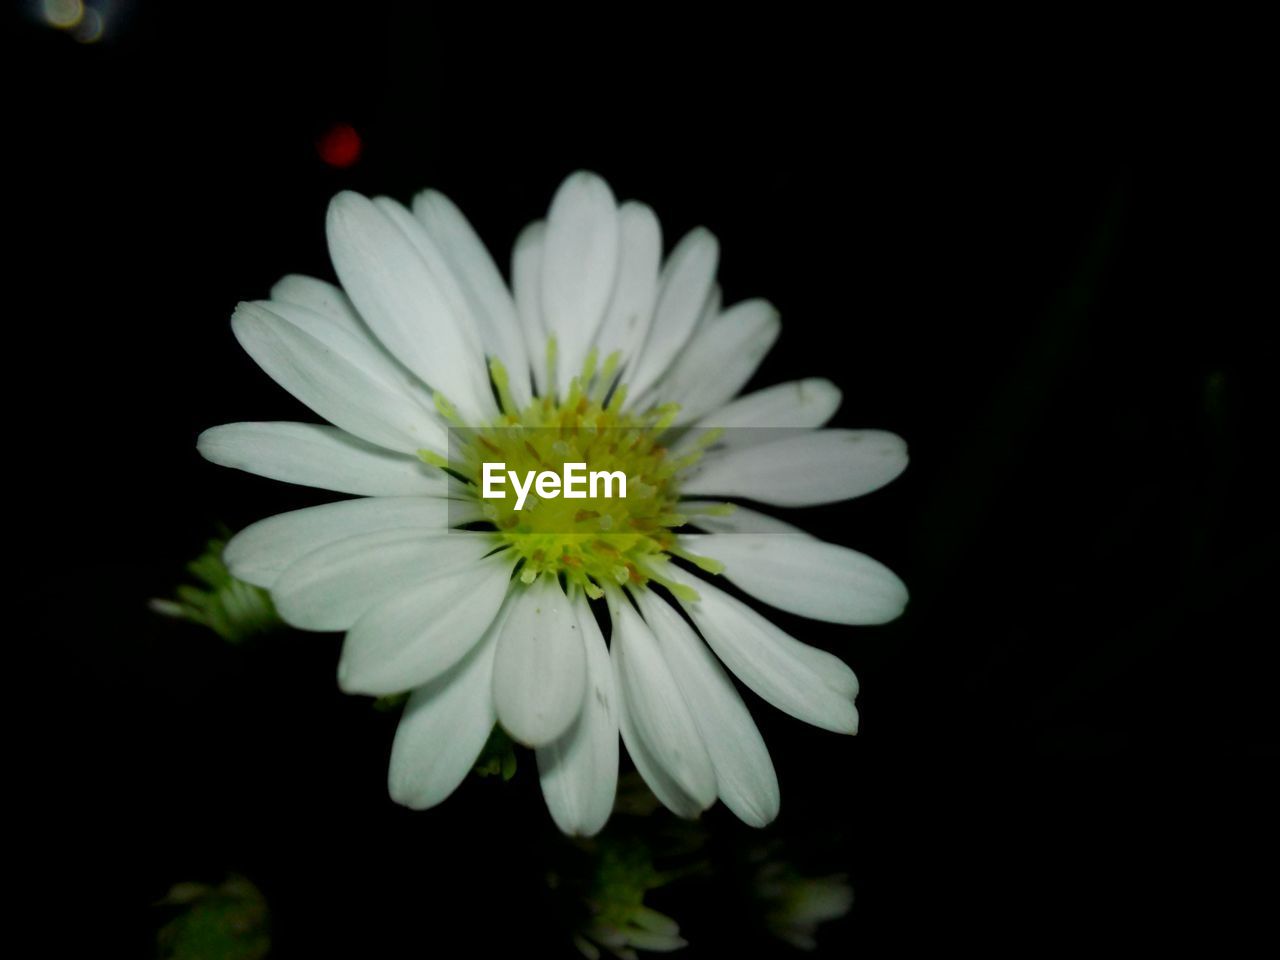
x,y
1030,263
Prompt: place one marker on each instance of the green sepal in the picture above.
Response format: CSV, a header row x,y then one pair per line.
x,y
498,757
231,608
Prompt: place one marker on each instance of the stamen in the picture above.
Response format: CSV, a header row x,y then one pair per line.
x,y
618,399
588,368
712,510
498,373
605,380
551,367
701,562
433,458
446,409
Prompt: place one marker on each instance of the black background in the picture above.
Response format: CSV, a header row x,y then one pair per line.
x,y
1030,267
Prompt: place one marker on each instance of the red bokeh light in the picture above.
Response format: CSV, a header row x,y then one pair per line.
x,y
339,146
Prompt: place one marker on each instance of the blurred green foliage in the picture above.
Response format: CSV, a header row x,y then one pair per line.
x,y
498,758
226,922
231,608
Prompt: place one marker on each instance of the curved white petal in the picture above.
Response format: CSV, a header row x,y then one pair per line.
x,y
540,676
443,728
686,284
579,771
333,587
668,792
479,277
821,466
262,551
798,679
318,368
419,633
655,707
526,283
722,356
350,338
442,273
318,296
579,263
322,298
314,455
754,417
745,778
626,322
403,304
491,334
806,576
740,520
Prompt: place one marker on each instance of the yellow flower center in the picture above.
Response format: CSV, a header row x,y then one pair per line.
x,y
590,540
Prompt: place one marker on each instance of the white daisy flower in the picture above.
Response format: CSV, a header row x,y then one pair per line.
x,y
427,365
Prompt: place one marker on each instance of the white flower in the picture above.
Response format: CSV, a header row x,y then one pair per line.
x,y
492,622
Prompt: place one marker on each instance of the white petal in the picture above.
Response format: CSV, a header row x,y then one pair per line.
x,y
686,284
626,322
579,771
721,357
319,297
669,793
347,336
798,679
539,679
332,587
443,728
807,576
741,520
655,705
313,455
332,384
262,551
526,282
798,470
419,633
403,304
745,778
491,335
442,274
488,294
579,263
753,418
